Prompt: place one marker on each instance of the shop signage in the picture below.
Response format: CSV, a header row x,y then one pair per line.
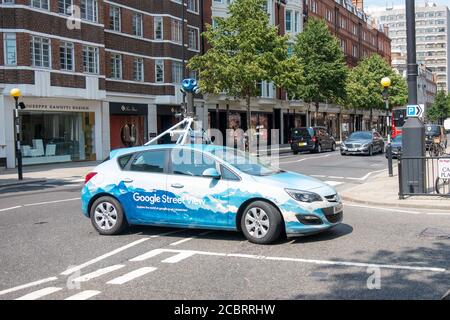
x,y
444,168
54,107
128,108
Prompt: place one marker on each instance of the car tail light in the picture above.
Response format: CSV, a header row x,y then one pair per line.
x,y
314,139
89,176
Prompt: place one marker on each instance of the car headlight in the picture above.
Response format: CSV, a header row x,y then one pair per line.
x,y
304,196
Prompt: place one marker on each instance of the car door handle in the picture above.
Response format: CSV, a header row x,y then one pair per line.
x,y
177,186
128,180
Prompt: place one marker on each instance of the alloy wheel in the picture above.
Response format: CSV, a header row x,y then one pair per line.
x,y
105,216
257,222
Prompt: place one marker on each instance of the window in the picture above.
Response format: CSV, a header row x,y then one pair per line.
x,y
193,38
158,25
40,4
123,160
329,15
159,71
288,20
192,5
90,59
190,163
89,10
227,174
177,31
63,6
66,56
177,72
10,47
296,21
137,24
114,18
40,52
150,161
138,69
355,51
116,66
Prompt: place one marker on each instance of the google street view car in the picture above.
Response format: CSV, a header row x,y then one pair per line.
x,y
207,187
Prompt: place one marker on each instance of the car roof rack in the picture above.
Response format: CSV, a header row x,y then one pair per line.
x,y
184,130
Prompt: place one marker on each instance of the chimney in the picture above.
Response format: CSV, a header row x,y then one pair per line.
x,y
359,4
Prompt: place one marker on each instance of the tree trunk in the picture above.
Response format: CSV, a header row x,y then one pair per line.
x,y
371,118
249,122
317,112
354,120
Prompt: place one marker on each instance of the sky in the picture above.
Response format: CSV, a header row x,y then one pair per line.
x,y
382,3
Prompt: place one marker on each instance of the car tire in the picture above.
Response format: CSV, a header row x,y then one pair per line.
x,y
343,153
295,152
107,216
319,148
257,232
333,147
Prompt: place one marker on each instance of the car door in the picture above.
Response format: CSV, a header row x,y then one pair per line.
x,y
143,183
197,201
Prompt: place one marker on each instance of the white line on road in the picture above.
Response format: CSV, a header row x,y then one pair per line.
x,y
179,257
84,295
50,202
132,275
107,255
305,159
12,208
189,239
98,273
39,294
166,233
381,208
334,183
31,284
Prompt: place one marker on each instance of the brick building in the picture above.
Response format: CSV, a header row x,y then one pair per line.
x,y
95,76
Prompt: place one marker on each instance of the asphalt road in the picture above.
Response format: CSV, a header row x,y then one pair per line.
x,y
50,251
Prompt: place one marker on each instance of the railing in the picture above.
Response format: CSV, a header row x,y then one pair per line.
x,y
430,182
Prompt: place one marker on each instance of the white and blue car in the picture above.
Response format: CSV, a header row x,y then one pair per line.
x,y
206,187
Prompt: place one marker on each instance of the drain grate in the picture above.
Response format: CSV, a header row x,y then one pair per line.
x,y
435,233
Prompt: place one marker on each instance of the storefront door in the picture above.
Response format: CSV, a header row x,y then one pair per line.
x,y
127,131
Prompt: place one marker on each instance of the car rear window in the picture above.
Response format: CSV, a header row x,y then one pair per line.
x,y
302,133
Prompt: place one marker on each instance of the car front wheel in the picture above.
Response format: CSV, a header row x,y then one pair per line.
x,y
261,223
107,216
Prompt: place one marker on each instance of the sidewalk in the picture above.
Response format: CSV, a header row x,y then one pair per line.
x,y
42,173
382,190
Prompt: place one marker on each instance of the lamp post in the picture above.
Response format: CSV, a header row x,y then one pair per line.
x,y
15,93
386,83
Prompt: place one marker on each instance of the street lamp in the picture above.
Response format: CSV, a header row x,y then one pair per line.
x,y
386,83
15,93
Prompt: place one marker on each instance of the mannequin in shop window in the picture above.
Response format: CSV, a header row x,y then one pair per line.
x,y
129,135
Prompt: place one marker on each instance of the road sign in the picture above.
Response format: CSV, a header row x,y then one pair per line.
x,y
444,168
414,111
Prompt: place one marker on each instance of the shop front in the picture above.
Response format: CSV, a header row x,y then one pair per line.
x,y
292,120
128,124
59,131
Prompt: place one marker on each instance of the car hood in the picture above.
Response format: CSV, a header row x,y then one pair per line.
x,y
396,144
358,141
292,180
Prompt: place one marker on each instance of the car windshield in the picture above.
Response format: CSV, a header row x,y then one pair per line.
x,y
360,136
245,163
397,139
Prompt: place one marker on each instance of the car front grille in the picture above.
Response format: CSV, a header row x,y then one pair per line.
x,y
354,145
334,218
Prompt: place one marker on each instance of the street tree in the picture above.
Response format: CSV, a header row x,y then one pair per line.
x,y
440,109
323,64
363,88
245,49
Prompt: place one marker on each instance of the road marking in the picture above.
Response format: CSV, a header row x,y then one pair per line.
x,y
106,255
334,183
98,273
367,175
305,159
39,294
131,275
50,202
147,255
381,208
155,252
166,233
179,257
189,239
84,295
438,213
31,284
12,208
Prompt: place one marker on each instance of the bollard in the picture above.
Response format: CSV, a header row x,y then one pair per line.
x,y
390,164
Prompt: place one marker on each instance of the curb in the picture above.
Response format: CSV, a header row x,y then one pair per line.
x,y
21,183
395,205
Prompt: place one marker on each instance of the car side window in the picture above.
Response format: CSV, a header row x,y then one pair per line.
x,y
123,160
190,163
227,174
149,161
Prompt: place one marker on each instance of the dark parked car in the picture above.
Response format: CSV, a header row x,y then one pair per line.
x,y
396,145
435,134
312,139
363,142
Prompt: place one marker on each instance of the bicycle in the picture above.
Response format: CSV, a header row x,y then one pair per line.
x,y
436,148
442,186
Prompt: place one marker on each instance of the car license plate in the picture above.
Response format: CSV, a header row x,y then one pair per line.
x,y
338,208
302,144
352,149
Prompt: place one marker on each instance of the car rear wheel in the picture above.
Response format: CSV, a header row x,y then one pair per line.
x,y
319,148
107,216
295,152
261,223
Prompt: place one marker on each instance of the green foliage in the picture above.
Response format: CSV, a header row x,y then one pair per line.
x,y
363,87
245,49
323,64
440,108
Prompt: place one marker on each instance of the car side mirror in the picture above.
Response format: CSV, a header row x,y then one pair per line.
x,y
211,173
